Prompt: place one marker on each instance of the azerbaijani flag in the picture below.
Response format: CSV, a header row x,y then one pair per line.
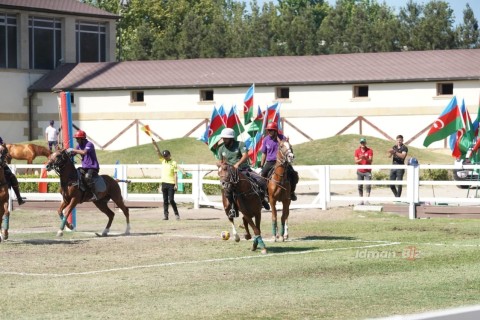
x,y
463,138
257,123
233,121
254,144
248,105
223,114
449,121
215,129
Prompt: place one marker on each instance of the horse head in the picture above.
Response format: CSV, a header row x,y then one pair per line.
x,y
228,175
285,151
57,160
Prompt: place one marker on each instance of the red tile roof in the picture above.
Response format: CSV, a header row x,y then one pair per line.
x,y
267,71
57,6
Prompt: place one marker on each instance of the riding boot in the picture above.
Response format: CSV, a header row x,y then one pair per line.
x,y
20,199
94,192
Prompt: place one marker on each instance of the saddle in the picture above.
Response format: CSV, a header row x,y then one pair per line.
x,y
100,185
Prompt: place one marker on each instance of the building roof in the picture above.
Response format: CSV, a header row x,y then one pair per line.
x,y
57,6
414,66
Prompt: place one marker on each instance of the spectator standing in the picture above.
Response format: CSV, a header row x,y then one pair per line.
x,y
398,153
51,135
169,183
363,156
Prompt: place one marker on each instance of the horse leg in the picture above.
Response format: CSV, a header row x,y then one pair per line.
x,y
285,213
5,219
103,206
61,216
118,200
274,217
234,230
247,234
64,217
257,240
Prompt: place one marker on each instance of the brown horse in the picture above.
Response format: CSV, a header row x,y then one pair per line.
x,y
279,189
236,185
26,152
72,193
4,197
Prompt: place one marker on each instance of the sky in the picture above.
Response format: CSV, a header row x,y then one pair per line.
x,y
457,5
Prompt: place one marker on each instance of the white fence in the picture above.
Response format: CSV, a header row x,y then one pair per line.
x,y
316,187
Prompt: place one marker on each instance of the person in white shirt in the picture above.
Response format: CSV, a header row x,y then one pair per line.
x,y
51,134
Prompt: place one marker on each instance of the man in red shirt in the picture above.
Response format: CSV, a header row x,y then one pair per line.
x,y
364,155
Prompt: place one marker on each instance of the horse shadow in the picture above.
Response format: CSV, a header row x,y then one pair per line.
x,y
326,238
42,242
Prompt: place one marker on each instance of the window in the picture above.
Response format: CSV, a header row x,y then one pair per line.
x,y
72,98
360,91
136,96
8,41
206,95
45,39
282,93
91,39
444,89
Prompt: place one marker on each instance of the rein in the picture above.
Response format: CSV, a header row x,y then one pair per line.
x,y
232,178
280,163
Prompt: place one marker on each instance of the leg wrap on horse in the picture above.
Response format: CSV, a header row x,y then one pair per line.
x,y
274,228
6,220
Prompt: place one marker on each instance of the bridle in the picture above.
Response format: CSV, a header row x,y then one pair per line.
x,y
229,178
286,153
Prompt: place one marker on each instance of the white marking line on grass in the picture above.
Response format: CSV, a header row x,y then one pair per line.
x,y
167,264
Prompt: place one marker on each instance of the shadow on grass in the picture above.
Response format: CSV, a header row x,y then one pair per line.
x,y
272,249
201,219
325,238
48,242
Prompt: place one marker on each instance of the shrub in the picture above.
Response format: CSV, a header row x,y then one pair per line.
x,y
435,175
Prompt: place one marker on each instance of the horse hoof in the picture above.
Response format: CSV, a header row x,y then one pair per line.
x,y
247,236
237,238
285,237
274,239
264,251
4,234
59,233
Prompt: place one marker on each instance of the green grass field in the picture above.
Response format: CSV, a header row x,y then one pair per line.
x,y
338,264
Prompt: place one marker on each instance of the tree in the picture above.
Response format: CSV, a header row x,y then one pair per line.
x,y
468,35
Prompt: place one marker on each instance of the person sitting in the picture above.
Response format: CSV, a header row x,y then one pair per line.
x,y
235,154
90,164
269,157
9,176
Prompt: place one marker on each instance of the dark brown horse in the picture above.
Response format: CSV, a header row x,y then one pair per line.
x,y
279,189
4,197
246,198
72,194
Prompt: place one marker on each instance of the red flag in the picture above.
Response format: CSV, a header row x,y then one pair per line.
x,y
447,123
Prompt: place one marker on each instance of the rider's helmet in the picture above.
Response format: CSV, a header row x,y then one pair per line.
x,y
228,133
165,153
80,134
272,126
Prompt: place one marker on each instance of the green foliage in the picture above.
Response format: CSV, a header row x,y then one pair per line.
x,y
435,175
181,29
381,175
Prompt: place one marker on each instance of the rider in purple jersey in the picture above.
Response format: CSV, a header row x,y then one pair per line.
x,y
90,164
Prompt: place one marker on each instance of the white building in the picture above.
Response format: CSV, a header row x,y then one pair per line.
x,y
376,94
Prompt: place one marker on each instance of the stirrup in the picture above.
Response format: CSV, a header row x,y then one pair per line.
x,y
21,201
293,196
265,204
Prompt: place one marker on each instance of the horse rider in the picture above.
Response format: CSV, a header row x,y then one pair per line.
x,y
9,176
269,157
235,154
90,164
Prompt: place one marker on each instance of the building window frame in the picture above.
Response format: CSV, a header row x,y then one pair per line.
x,y
91,41
137,97
445,88
360,91
282,93
8,41
207,95
45,42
